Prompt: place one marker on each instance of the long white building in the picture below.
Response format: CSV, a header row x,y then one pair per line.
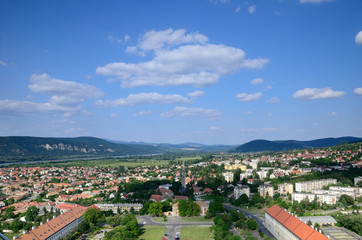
x,y
313,185
321,198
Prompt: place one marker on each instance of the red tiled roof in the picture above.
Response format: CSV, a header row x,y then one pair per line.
x,y
297,227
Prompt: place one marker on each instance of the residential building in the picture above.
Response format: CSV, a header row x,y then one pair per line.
x,y
285,188
204,207
321,198
229,176
357,191
240,190
120,207
357,180
266,190
313,185
287,227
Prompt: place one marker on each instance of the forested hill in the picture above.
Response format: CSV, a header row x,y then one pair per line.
x,y
267,146
25,147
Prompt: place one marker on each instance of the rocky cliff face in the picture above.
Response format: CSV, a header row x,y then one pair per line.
x,y
74,148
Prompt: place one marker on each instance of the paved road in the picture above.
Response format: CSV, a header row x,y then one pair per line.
x,y
258,220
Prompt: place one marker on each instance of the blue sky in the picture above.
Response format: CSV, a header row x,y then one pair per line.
x,y
207,71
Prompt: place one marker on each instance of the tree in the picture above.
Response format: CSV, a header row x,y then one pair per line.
x,y
155,209
188,208
348,200
31,213
9,212
251,224
93,216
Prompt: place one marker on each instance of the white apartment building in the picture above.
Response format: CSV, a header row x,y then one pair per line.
x,y
321,198
357,191
285,188
357,180
313,185
254,163
266,190
122,207
240,190
229,176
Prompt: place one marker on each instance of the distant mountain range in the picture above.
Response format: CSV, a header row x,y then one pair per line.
x,y
15,149
271,146
32,147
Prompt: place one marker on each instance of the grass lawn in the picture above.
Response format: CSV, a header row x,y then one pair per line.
x,y
195,219
158,219
153,232
195,233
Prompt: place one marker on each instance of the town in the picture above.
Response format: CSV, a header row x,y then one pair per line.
x,y
264,188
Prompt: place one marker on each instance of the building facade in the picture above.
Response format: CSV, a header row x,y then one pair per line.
x,y
321,198
229,176
313,185
122,207
285,188
266,190
240,190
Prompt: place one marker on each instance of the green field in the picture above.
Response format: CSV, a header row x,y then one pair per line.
x,y
195,219
153,232
195,233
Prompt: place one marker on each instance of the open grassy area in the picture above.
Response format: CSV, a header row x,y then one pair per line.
x,y
153,232
195,233
185,159
195,219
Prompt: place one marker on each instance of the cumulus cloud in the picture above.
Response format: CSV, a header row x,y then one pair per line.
x,y
145,98
142,113
314,1
65,97
154,40
333,114
237,9
317,93
214,128
194,63
114,115
245,97
192,112
358,91
257,81
252,9
196,94
358,38
273,100
118,40
3,64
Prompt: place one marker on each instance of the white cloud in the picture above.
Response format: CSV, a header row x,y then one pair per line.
x,y
358,38
358,91
245,97
248,112
154,40
269,129
237,9
3,64
254,130
193,112
196,94
43,83
317,93
191,64
214,128
252,9
113,115
142,113
273,100
314,1
118,40
333,114
65,97
257,81
144,98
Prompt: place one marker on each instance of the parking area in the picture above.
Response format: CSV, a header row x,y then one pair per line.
x,y
338,233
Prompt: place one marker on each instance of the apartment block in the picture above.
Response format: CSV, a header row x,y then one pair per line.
x,y
313,185
240,190
321,198
229,176
266,190
285,188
